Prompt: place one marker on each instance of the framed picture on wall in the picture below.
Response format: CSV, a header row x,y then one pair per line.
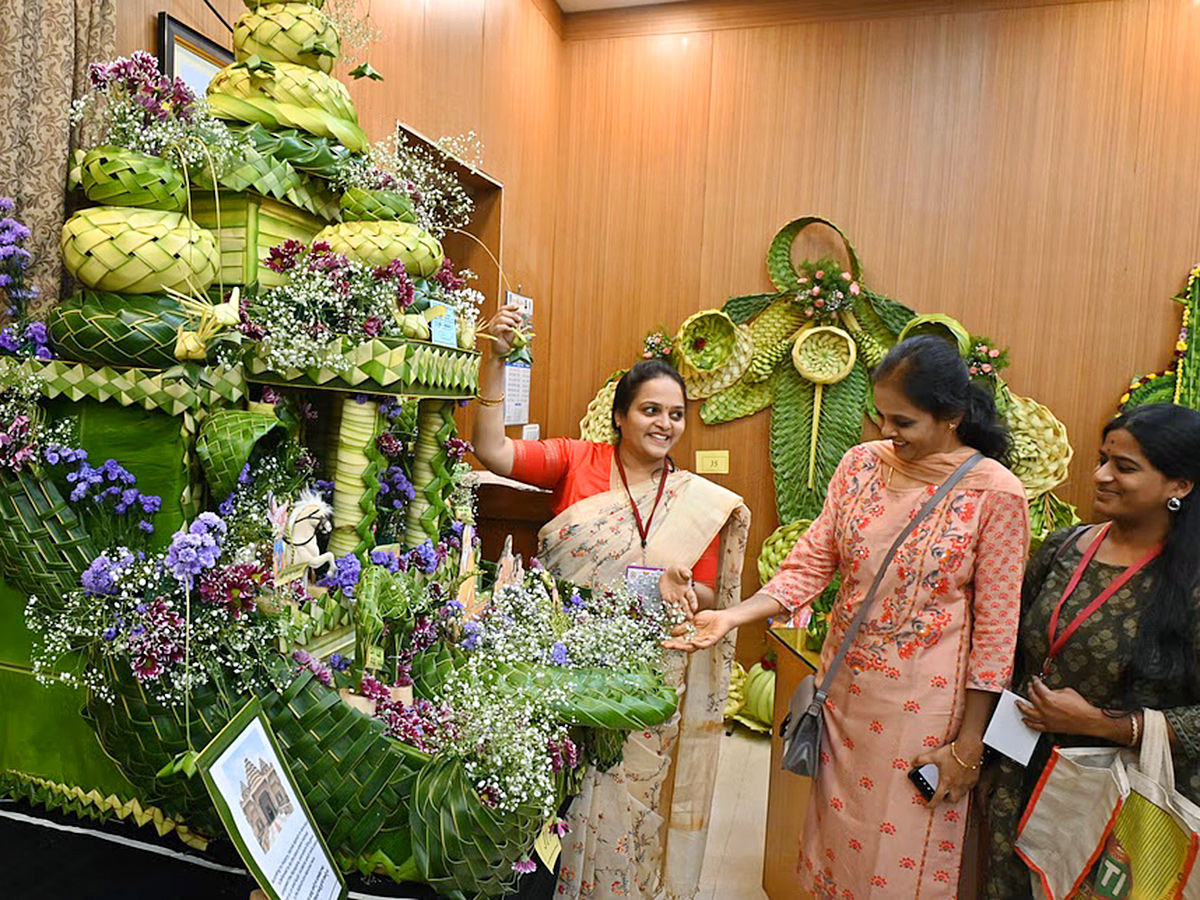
x,y
186,53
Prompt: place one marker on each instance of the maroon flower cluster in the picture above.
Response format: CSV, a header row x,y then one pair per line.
x,y
563,754
234,587
448,278
456,448
156,641
422,725
405,290
390,445
161,97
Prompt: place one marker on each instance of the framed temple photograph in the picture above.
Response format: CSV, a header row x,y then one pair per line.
x,y
185,52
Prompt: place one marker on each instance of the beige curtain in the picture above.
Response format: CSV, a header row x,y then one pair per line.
x,y
45,49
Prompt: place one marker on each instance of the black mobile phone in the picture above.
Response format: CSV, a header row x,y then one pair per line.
x,y
925,778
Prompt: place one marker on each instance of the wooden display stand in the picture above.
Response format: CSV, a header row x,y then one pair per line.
x,y
787,793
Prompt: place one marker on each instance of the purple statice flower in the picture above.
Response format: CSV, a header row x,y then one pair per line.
x,y
225,508
101,575
244,476
339,663
145,527
323,487
208,522
7,205
424,557
472,635
450,610
559,655
387,559
109,634
8,340
305,660
344,577
36,332
575,602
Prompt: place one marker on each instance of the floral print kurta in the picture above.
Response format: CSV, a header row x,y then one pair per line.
x,y
1092,662
944,621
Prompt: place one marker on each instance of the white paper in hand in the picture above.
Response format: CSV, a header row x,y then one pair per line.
x,y
1007,733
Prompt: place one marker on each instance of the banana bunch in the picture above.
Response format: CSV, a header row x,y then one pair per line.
x,y
758,711
736,698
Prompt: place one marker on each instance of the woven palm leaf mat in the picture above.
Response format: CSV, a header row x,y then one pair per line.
x,y
408,368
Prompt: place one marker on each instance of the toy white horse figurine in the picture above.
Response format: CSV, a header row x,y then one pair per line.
x,y
296,532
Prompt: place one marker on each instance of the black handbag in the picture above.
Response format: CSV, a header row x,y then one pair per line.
x,y
805,722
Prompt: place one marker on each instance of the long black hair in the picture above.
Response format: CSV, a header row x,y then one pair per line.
x,y
627,387
935,380
1169,436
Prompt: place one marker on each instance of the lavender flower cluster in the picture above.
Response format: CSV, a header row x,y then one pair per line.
x,y
197,549
110,486
14,260
30,340
139,79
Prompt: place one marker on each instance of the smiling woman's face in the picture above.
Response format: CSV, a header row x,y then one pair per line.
x,y
913,432
1128,487
655,420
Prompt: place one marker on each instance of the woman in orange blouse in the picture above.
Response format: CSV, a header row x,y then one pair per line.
x,y
618,507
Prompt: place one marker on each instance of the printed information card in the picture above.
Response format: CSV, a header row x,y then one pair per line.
x,y
264,813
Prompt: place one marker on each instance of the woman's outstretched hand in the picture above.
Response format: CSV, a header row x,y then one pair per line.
x,y
502,327
706,628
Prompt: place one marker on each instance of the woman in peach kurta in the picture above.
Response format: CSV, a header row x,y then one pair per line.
x,y
923,671
944,622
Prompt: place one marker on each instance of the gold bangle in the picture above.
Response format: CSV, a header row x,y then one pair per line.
x,y
957,759
489,401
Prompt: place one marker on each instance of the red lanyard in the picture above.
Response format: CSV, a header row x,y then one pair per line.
x,y
643,530
1057,642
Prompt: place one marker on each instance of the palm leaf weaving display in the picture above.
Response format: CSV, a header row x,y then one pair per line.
x,y
288,32
120,177
117,329
377,243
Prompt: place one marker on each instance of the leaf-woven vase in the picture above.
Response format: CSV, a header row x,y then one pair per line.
x,y
138,251
824,355
117,329
360,205
706,339
282,32
119,177
378,243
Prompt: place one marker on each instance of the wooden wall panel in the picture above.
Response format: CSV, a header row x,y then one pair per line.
x,y
1028,168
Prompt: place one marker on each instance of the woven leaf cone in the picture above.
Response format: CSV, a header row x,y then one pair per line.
x,y
461,847
701,385
359,205
705,341
292,96
738,400
282,32
305,151
117,329
941,326
378,243
596,424
777,546
772,331
43,545
120,177
138,251
1040,452
227,438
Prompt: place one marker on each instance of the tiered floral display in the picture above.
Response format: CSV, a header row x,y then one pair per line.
x,y
805,351
229,469
1180,381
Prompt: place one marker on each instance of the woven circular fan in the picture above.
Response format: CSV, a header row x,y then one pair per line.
x,y
359,205
706,339
596,424
120,177
288,32
824,355
777,546
1040,452
701,385
138,251
378,243
938,325
291,96
117,329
